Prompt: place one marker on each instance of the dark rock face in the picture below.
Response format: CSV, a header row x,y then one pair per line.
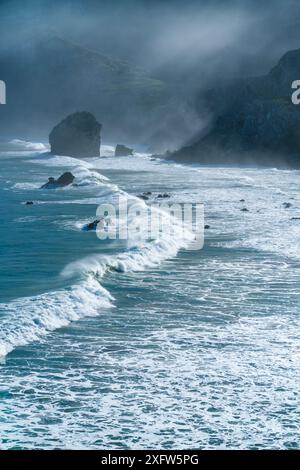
x,y
123,151
76,136
64,180
255,121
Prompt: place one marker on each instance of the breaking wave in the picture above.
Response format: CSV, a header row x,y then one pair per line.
x,y
26,320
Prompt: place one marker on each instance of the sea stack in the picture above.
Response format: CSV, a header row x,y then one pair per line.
x,y
78,135
123,151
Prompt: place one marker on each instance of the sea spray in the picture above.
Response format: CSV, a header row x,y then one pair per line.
x,y
29,319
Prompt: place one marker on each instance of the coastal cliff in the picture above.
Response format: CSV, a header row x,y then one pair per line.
x,y
255,121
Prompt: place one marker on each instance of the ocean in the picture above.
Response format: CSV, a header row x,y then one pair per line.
x,y
107,344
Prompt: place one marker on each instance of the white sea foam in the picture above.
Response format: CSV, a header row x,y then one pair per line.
x,y
141,253
18,145
267,225
215,339
26,186
87,177
26,145
84,201
30,319
61,161
83,170
107,150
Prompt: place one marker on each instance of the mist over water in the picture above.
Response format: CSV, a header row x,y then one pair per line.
x,y
182,49
121,344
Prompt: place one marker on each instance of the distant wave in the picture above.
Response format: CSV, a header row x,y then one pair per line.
x,y
17,145
24,144
84,172
26,186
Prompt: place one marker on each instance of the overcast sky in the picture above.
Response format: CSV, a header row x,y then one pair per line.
x,y
193,43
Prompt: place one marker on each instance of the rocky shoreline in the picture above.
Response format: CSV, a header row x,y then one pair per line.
x,y
255,122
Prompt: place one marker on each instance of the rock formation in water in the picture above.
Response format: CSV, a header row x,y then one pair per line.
x,y
71,77
64,180
123,151
78,135
91,226
255,121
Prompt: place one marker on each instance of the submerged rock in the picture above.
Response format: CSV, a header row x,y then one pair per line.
x,y
145,195
287,205
91,225
64,180
104,224
123,151
78,135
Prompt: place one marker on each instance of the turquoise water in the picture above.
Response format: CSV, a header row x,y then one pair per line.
x,y
183,349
